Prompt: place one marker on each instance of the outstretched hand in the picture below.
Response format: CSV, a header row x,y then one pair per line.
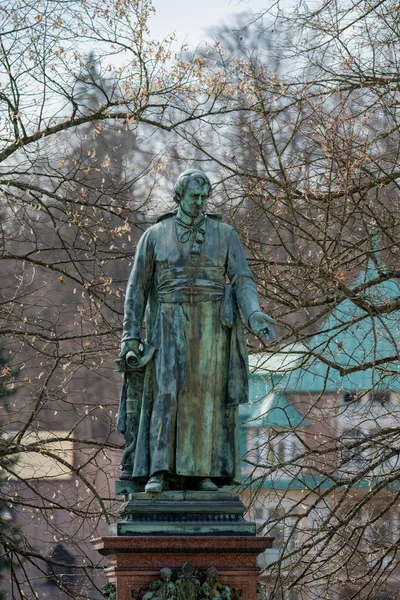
x,y
263,326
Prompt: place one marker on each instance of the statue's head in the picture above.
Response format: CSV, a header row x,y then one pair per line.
x,y
192,190
166,574
225,593
211,575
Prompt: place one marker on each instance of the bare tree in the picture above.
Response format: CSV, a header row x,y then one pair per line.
x,y
300,132
90,112
310,172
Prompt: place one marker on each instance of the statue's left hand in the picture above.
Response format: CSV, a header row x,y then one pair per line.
x,y
263,326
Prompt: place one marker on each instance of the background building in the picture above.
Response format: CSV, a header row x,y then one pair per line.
x,y
321,440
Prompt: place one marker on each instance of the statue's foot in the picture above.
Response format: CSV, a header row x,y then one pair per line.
x,y
206,485
155,484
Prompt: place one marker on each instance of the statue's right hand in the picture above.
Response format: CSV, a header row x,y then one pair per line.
x,y
130,346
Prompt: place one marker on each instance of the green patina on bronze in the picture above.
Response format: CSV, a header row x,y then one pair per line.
x,y
180,512
189,584
109,591
179,407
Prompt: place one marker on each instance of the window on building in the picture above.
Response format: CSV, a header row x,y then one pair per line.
x,y
293,446
258,445
282,527
318,516
293,595
349,397
267,447
351,446
283,447
382,526
276,450
377,448
259,513
276,525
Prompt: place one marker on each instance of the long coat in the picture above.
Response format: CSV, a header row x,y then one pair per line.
x,y
187,282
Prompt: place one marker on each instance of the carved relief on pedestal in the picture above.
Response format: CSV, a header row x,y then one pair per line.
x,y
189,584
109,591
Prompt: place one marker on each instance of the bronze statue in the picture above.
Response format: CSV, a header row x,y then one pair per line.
x,y
184,381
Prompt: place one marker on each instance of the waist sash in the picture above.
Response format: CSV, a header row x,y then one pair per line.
x,y
180,290
201,290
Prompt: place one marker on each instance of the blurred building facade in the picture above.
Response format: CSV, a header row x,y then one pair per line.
x,y
321,450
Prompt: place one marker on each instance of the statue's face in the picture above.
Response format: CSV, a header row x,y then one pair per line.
x,y
194,198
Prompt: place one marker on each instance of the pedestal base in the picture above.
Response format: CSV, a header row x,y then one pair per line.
x,y
200,542
135,562
182,513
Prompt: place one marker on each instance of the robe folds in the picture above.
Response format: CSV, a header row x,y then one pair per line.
x,y
187,413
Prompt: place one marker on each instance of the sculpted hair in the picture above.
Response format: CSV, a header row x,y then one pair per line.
x,y
183,181
166,571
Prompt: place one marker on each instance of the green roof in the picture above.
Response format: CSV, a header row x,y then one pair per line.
x,y
309,482
350,337
274,410
269,409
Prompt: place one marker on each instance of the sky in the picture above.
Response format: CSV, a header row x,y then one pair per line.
x,y
190,20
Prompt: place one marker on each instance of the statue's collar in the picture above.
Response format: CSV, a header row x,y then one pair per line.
x,y
185,219
173,213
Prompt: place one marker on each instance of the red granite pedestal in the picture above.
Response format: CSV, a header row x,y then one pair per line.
x,y
177,528
135,561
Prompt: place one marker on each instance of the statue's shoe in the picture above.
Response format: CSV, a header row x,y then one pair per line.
x,y
206,485
154,485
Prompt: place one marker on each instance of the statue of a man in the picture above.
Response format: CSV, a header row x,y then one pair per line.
x,y
189,277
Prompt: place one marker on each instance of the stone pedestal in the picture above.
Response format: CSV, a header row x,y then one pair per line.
x,y
182,513
189,533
